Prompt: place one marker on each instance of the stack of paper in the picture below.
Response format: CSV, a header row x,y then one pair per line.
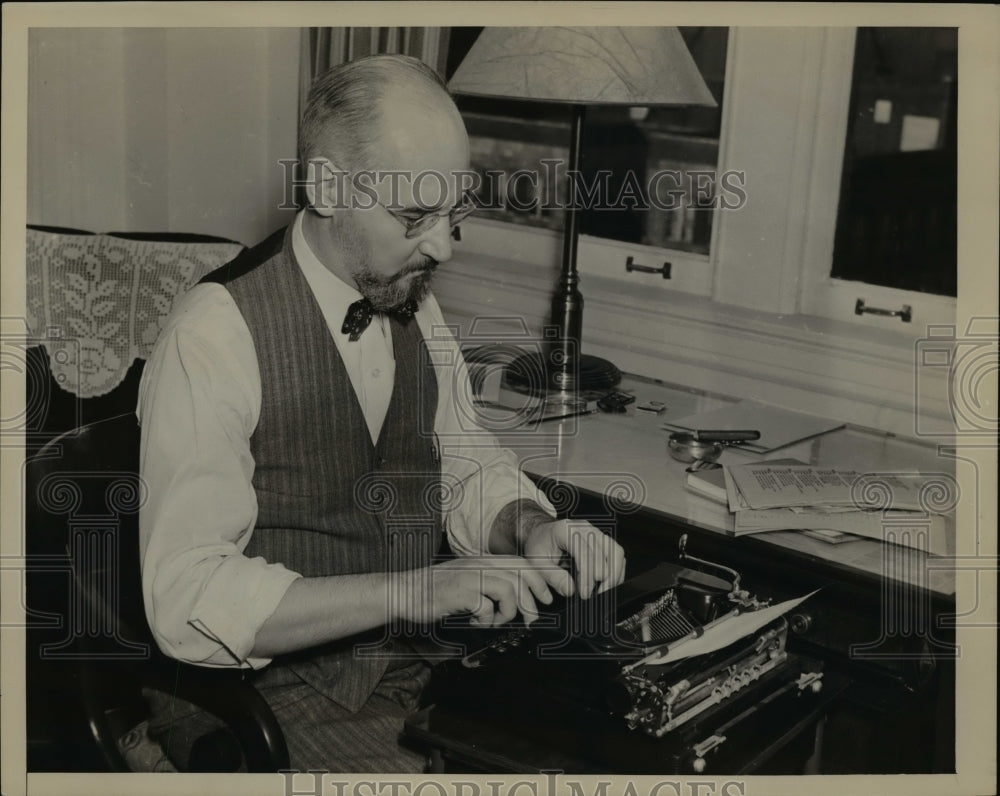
x,y
712,484
770,496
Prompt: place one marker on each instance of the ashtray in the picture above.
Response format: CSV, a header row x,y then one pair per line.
x,y
685,447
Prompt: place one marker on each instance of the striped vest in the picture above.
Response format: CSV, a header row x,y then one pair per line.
x,y
329,501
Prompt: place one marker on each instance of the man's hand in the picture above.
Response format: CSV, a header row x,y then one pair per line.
x,y
491,588
598,559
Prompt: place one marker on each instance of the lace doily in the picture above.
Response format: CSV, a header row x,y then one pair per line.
x,y
97,302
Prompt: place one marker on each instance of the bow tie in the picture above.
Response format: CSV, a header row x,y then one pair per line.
x,y
360,314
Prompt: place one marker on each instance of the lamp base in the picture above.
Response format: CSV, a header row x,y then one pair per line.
x,y
527,374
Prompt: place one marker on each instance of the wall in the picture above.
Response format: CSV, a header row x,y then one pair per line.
x,y
176,130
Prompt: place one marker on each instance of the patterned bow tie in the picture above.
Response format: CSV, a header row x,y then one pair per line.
x,y
360,314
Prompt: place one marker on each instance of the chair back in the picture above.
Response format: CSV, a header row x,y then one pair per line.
x,y
82,500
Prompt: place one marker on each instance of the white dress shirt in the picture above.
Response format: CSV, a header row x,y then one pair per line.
x,y
199,403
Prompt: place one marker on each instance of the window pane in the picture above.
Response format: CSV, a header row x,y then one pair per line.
x,y
671,152
897,222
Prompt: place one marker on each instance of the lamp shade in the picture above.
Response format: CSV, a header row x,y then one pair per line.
x,y
607,66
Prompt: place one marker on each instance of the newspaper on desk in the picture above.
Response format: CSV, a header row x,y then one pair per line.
x,y
902,508
765,485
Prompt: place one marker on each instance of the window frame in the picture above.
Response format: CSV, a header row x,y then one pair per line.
x,y
821,294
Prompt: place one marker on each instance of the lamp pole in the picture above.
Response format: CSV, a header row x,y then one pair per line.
x,y
563,354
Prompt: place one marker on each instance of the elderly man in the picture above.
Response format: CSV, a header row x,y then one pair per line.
x,y
294,425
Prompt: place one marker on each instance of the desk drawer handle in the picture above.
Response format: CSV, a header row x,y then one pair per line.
x,y
905,314
663,269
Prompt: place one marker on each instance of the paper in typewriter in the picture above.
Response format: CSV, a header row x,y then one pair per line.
x,y
729,631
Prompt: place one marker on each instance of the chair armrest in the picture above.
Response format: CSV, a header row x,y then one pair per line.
x,y
224,694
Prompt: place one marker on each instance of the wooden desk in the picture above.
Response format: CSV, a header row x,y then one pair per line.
x,y
876,618
626,456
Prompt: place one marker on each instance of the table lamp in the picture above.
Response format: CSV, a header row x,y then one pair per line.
x,y
579,66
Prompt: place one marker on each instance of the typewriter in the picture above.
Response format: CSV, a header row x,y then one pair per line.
x,y
608,682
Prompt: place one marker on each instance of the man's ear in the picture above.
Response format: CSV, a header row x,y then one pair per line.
x,y
325,186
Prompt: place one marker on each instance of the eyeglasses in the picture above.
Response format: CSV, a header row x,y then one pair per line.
x,y
419,224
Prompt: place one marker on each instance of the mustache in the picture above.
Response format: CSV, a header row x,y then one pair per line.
x,y
424,265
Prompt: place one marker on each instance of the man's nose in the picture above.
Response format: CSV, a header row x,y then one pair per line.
x,y
436,242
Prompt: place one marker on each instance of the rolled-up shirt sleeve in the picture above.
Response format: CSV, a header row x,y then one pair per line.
x,y
199,402
490,478
479,477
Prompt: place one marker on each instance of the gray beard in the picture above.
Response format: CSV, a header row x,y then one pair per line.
x,y
391,293
386,293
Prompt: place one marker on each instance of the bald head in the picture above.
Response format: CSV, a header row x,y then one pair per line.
x,y
354,110
418,130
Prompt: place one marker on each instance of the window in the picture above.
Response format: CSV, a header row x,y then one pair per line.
x,y
900,251
778,87
897,219
759,315
630,144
